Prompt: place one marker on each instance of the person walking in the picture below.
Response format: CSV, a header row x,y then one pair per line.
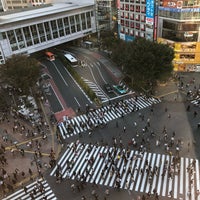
x,y
124,129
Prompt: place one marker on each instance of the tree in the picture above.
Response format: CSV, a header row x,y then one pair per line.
x,y
20,72
145,62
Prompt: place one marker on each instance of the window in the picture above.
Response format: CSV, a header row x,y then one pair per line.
x,y
54,29
72,24
41,32
60,27
83,20
78,26
66,25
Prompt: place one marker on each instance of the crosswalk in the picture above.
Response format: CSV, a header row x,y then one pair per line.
x,y
103,115
37,190
98,91
131,170
196,101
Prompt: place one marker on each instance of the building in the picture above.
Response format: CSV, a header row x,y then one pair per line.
x,y
179,27
137,18
43,27
19,4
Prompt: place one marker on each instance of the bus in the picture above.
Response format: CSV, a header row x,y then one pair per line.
x,y
71,59
50,56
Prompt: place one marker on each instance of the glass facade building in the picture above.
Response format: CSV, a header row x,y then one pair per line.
x,y
179,27
34,30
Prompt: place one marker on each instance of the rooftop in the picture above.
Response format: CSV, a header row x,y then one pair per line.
x,y
9,17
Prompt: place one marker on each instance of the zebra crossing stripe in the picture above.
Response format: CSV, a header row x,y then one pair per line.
x,y
90,161
160,175
137,171
97,167
132,179
187,179
155,177
104,114
197,175
165,178
181,175
20,194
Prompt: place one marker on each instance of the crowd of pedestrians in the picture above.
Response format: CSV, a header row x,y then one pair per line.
x,y
144,139
22,142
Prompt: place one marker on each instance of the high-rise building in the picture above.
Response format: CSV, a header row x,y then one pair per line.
x,y
137,18
179,27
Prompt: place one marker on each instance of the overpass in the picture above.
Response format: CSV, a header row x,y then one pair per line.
x,y
40,28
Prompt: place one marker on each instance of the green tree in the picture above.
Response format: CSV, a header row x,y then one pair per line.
x,y
145,62
20,72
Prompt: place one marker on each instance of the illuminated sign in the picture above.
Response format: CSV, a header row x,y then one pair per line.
x,y
179,10
149,12
172,4
150,8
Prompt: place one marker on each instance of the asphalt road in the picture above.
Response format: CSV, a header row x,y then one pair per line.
x,y
171,113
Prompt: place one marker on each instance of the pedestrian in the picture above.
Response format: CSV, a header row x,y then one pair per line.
x,y
124,129
25,189
195,113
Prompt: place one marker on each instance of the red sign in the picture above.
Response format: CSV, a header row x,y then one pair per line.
x,y
172,4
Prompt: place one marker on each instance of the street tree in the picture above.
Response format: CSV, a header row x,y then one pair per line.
x,y
145,62
20,72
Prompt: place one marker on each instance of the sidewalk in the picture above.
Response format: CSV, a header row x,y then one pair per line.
x,y
22,151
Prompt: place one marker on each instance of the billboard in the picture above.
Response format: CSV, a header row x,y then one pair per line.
x,y
172,4
150,6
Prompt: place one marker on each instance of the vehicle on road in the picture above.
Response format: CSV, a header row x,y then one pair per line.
x,y
108,88
50,56
71,59
121,89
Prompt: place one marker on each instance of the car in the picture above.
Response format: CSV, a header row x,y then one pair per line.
x,y
108,88
121,89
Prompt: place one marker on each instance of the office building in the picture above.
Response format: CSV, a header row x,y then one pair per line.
x,y
137,18
179,27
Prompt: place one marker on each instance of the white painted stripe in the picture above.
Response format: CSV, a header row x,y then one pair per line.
x,y
160,175
181,175
165,180
139,174
176,186
197,178
155,177
145,177
61,159
186,178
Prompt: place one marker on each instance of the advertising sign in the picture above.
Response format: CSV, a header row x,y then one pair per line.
x,y
150,8
150,11
172,4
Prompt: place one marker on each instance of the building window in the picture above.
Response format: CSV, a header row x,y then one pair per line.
x,y
60,27
78,26
72,24
83,20
34,34
88,18
41,32
20,38
66,25
12,40
54,29
27,36
47,29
